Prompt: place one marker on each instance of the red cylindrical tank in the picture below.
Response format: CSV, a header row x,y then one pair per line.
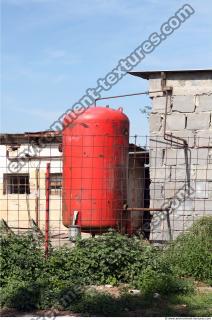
x,y
95,168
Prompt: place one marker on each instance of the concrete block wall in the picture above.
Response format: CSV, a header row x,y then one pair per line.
x,y
181,178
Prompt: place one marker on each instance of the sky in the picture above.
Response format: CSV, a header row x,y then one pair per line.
x,y
53,50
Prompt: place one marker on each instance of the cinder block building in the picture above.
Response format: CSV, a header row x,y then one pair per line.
x,y
180,149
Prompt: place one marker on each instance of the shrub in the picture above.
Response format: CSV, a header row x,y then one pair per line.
x,y
113,258
31,281
151,281
97,304
21,257
39,294
20,295
191,253
107,259
59,295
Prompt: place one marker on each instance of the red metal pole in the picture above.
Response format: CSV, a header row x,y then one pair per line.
x,y
47,209
37,198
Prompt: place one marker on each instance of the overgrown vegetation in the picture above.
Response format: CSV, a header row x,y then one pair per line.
x,y
191,254
29,281
21,258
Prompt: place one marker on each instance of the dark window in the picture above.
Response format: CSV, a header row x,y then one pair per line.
x,y
55,183
16,183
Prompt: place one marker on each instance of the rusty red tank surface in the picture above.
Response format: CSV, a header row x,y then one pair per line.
x,y
95,166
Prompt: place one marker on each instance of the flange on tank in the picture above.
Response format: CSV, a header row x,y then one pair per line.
x,y
95,169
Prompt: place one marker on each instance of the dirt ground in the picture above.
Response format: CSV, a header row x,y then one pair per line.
x,y
157,307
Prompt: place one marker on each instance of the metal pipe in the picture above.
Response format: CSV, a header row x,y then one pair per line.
x,y
37,197
127,95
47,210
169,137
58,234
21,228
139,152
147,209
34,158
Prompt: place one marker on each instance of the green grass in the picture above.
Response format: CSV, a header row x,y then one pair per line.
x,y
97,304
196,305
102,304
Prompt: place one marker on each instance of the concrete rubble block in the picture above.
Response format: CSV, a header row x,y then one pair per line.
x,y
162,174
183,103
201,173
182,213
159,104
182,222
156,157
174,157
197,83
204,103
178,173
182,206
188,135
204,138
198,121
200,189
182,84
210,191
203,207
155,203
155,85
159,228
156,191
159,236
155,122
173,190
200,156
175,121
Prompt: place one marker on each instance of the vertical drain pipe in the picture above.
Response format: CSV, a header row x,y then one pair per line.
x,y
47,180
174,139
179,141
